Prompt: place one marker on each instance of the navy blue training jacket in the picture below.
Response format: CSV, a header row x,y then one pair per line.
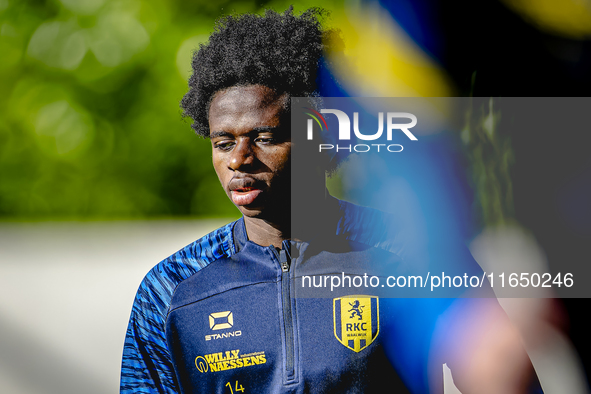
x,y
225,315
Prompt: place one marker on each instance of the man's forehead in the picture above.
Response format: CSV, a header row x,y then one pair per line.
x,y
246,106
248,96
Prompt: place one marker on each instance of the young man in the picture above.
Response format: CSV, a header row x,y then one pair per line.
x,y
221,315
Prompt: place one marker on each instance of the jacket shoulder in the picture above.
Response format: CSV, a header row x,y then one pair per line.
x,y
369,226
166,275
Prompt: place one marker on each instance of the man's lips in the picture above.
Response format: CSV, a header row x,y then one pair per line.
x,y
244,191
245,195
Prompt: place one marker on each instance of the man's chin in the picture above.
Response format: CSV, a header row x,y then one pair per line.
x,y
266,213
250,211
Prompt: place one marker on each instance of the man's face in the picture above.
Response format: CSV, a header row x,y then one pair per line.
x,y
251,148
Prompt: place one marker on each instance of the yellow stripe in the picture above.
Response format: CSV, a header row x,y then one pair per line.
x,y
380,60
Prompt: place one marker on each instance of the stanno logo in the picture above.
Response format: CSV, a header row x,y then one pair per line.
x,y
394,122
356,321
223,335
221,320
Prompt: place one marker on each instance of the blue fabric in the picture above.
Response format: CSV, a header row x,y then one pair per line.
x,y
221,314
146,365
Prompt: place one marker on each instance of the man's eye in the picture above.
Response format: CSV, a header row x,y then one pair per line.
x,y
224,145
265,140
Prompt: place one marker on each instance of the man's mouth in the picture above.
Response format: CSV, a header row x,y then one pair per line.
x,y
245,195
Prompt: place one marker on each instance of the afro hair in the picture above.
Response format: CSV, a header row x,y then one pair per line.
x,y
280,51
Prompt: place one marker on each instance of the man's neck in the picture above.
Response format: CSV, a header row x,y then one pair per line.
x,y
297,223
264,233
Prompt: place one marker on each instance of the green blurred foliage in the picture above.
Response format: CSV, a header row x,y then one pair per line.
x,y
90,125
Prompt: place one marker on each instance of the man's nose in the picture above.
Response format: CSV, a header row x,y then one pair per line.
x,y
242,156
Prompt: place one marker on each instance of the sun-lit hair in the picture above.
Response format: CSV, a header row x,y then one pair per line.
x,y
280,51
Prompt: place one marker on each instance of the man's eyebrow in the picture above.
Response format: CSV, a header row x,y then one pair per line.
x,y
265,129
217,134
256,130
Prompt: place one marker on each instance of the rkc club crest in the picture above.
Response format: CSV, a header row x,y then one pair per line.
x,y
356,321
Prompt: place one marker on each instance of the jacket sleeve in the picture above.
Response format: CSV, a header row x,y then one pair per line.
x,y
147,364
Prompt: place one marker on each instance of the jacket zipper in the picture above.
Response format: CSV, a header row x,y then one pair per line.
x,y
284,258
